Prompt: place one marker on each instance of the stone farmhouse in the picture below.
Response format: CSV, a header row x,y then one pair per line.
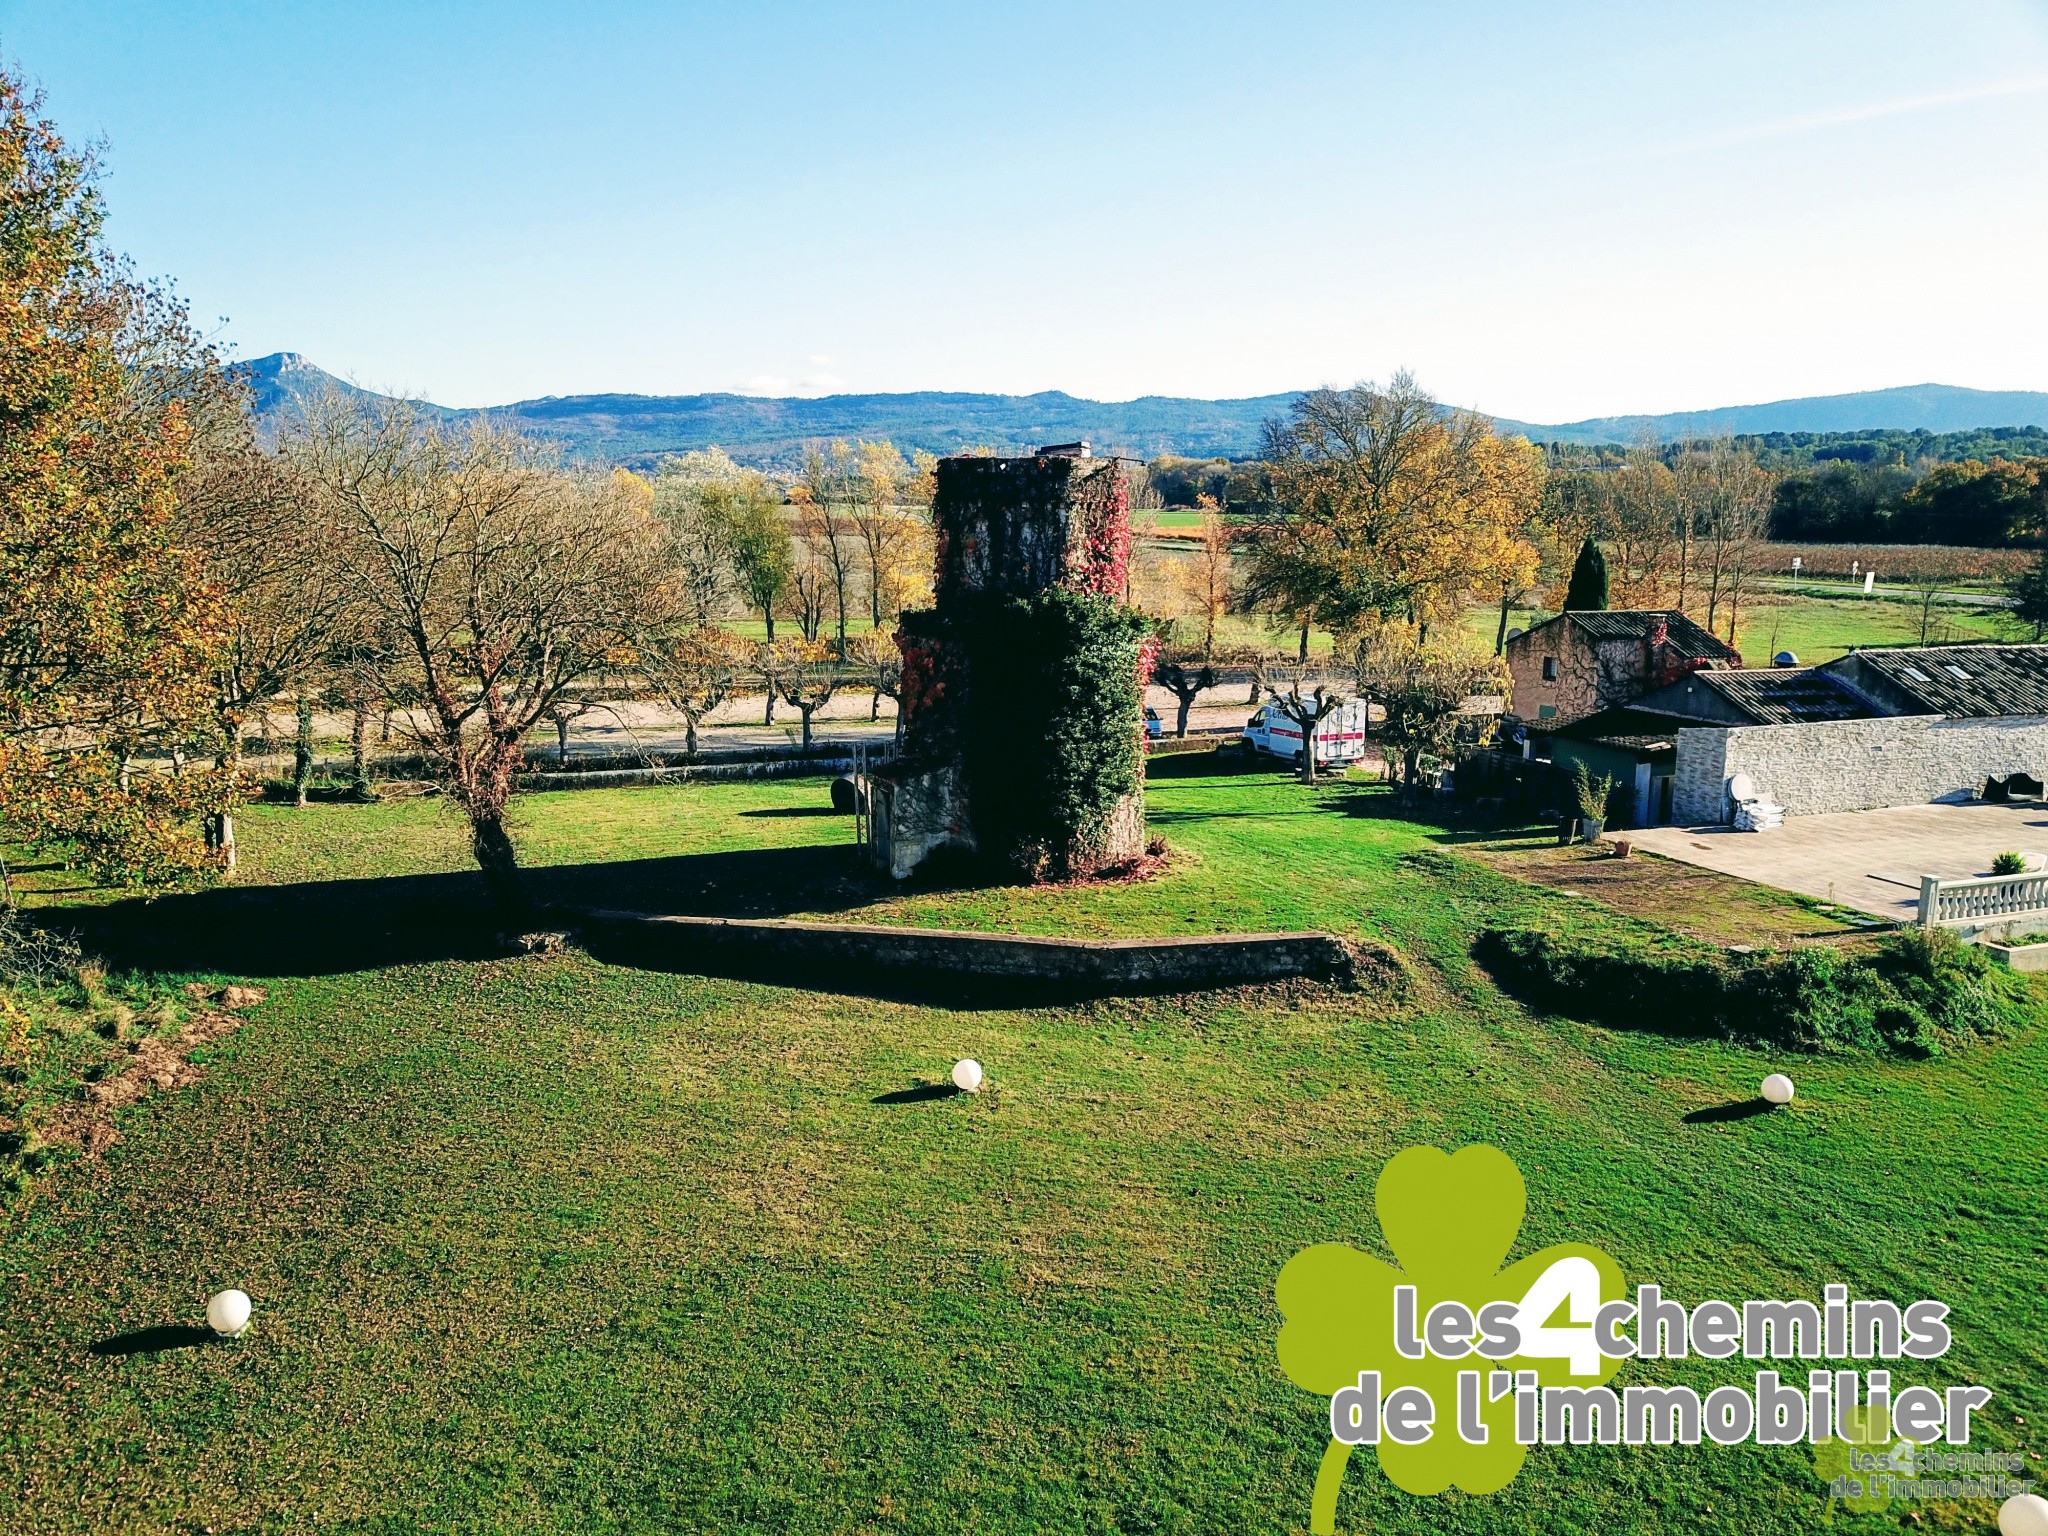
x,y
1875,728
1582,662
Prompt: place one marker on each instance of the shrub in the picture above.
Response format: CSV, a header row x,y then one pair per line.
x,y
1592,792
33,955
1907,996
2010,862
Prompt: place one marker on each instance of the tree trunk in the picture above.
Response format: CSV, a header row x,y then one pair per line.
x,y
1180,725
1308,749
302,752
219,828
1304,641
6,886
1500,635
690,734
875,707
561,741
495,857
768,616
359,751
805,711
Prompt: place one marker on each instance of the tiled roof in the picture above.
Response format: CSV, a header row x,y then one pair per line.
x,y
1783,696
1693,642
1967,681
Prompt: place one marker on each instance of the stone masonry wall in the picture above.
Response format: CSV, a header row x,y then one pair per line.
x,y
1853,765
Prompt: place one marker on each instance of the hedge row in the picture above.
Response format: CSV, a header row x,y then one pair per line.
x,y
1908,995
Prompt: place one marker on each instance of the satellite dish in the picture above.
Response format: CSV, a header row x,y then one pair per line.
x,y
1741,788
1784,659
1516,634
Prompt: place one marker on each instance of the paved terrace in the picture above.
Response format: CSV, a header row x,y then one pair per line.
x,y
1870,860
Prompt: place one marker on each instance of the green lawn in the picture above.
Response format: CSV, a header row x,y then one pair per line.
x,y
548,1245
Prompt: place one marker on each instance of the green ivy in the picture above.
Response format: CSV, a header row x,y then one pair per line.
x,y
1052,739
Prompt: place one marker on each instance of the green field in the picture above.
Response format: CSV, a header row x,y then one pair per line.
x,y
553,1245
1815,629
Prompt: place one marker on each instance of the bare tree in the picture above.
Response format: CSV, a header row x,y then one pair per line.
x,y
503,580
878,661
1305,697
887,535
1422,692
694,668
828,486
805,674
260,543
1734,495
1186,679
696,549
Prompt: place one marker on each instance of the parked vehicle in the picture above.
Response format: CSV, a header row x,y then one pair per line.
x,y
1154,729
1340,735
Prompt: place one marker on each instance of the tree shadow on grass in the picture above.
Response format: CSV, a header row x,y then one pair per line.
x,y
323,927
150,1341
1451,823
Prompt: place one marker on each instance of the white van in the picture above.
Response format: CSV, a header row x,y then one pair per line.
x,y
1340,735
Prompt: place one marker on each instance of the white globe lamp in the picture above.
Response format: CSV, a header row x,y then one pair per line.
x,y
1777,1088
967,1075
227,1313
2024,1514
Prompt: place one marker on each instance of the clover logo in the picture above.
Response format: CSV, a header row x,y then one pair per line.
x,y
1450,1221
1867,1429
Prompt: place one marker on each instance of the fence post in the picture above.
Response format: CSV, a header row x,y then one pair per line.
x,y
1930,899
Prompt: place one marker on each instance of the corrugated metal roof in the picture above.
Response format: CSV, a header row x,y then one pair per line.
x,y
1633,730
1783,696
1966,681
1691,641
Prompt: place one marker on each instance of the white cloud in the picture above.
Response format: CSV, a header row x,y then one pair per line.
x,y
1807,122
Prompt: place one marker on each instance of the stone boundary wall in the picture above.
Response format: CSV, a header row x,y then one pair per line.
x,y
688,773
1853,765
842,957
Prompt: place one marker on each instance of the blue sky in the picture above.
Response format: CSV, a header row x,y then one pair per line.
x,y
1549,211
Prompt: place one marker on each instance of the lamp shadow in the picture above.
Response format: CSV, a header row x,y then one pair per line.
x,y
150,1341
1741,1109
922,1093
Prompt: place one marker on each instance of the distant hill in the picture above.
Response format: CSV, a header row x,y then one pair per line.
x,y
639,430
1921,407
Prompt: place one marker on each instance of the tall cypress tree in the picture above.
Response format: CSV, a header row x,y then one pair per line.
x,y
1588,589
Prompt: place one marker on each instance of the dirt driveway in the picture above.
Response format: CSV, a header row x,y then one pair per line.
x,y
1872,860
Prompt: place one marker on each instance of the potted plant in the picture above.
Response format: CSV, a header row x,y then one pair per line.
x,y
1592,792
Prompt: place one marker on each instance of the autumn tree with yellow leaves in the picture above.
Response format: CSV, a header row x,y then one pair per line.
x,y
107,624
1388,506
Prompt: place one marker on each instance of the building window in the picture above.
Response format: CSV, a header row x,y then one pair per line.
x,y
1550,669
1546,711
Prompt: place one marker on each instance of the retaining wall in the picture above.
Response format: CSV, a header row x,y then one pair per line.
x,y
1853,765
855,956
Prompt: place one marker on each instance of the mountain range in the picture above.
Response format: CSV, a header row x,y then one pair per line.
x,y
640,430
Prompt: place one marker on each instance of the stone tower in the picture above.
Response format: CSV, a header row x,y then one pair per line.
x,y
1027,642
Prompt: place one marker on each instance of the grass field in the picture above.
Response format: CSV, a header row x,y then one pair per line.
x,y
1815,629
549,1245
